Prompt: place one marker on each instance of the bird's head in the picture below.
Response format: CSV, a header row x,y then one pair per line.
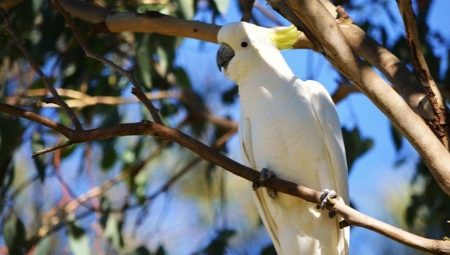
x,y
243,46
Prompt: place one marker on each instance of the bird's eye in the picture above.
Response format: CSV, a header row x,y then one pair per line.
x,y
244,44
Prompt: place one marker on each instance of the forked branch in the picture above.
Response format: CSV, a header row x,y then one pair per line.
x,y
351,216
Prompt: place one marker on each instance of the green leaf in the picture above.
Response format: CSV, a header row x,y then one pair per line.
x,y
355,145
269,250
229,96
15,235
78,240
168,109
105,206
109,154
144,60
139,184
183,80
160,251
113,231
222,6
219,244
163,59
10,137
44,247
141,250
37,143
187,8
397,138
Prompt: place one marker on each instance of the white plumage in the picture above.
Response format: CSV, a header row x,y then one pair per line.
x,y
291,127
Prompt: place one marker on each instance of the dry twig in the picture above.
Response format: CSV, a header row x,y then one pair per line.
x,y
351,216
136,90
38,70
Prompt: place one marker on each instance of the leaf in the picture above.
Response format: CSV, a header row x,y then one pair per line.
x,y
78,240
355,145
187,8
14,235
397,138
113,231
10,137
37,143
183,80
144,60
230,95
222,6
163,59
168,109
141,250
44,247
268,250
105,206
219,244
109,154
160,251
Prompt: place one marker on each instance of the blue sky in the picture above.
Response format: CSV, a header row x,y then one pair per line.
x,y
377,186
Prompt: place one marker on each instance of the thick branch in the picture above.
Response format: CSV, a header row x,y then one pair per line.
x,y
420,64
325,30
351,216
394,70
136,90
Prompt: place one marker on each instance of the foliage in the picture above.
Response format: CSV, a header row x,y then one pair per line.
x,y
137,166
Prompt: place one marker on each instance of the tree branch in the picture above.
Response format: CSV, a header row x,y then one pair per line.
x,y
325,30
15,111
351,216
77,99
439,122
136,90
403,81
39,72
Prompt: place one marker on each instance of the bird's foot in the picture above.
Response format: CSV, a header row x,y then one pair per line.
x,y
325,196
264,177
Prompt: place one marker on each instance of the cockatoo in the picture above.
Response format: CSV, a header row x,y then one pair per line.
x,y
290,127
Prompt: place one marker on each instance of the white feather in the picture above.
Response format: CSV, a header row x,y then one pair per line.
x,y
291,127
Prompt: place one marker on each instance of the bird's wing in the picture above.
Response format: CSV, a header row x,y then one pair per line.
x,y
260,195
245,140
325,112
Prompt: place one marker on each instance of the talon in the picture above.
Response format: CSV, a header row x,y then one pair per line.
x,y
264,178
325,196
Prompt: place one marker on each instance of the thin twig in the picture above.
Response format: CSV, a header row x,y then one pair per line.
x,y
38,70
47,150
16,111
342,91
78,99
137,90
439,123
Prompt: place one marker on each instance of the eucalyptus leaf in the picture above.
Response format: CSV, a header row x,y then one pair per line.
x,y
222,6
113,231
355,145
143,55
78,240
14,234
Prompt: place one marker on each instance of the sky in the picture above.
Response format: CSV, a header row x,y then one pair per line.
x,y
378,187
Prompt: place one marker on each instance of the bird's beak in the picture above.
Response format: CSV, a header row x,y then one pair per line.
x,y
224,56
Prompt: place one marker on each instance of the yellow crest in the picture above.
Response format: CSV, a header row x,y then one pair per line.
x,y
285,37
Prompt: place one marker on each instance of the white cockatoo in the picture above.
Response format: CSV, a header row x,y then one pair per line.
x,y
290,127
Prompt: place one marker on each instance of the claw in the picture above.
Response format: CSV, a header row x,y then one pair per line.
x,y
325,196
264,178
